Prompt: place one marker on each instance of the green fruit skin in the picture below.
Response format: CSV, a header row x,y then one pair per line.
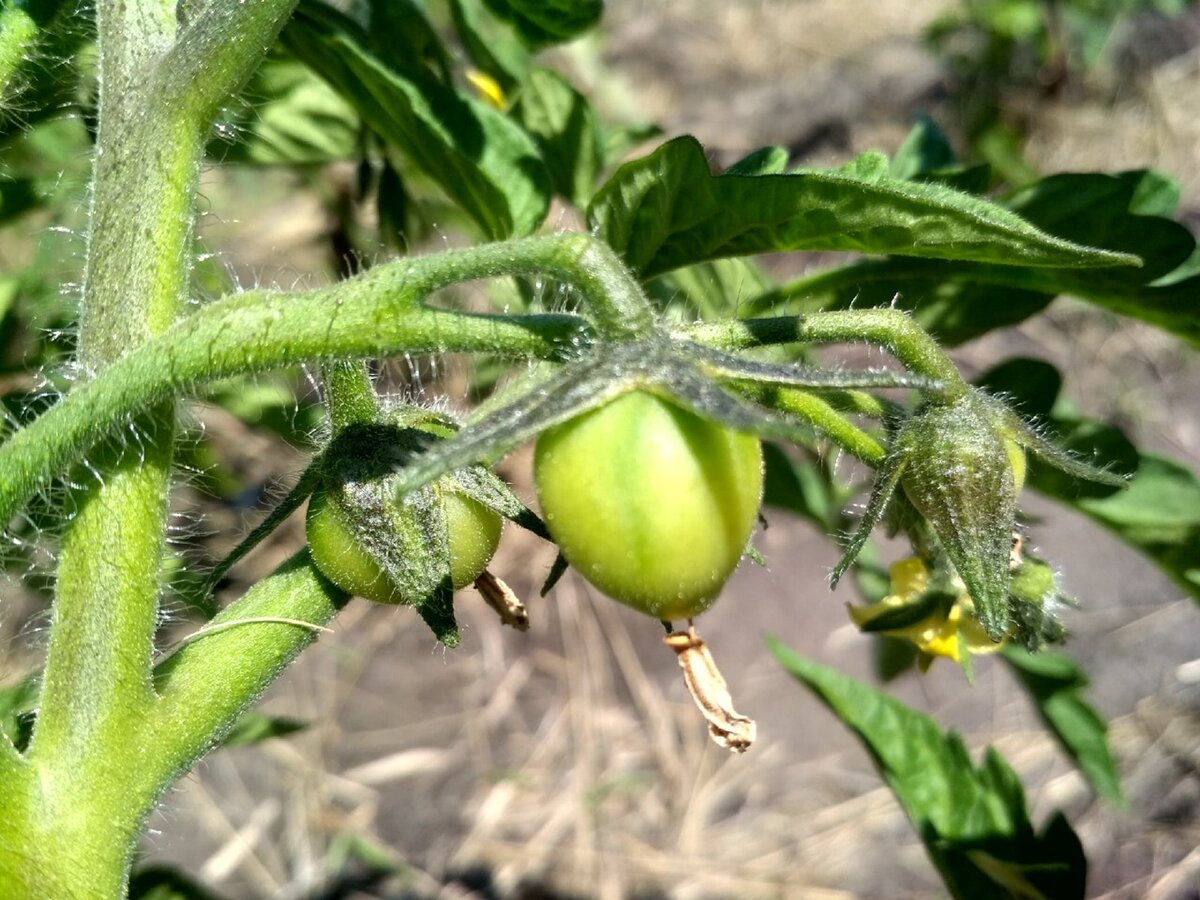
x,y
650,503
474,534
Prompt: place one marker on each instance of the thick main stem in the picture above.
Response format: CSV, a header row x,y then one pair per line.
x,y
97,678
90,748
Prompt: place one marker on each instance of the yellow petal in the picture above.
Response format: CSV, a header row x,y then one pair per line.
x,y
909,577
488,87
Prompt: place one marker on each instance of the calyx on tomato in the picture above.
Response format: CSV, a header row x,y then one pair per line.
x,y
472,534
652,504
413,548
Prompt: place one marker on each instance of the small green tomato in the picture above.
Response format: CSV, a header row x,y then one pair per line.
x,y
474,534
650,503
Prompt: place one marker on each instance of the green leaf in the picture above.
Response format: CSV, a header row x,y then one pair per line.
x,y
1056,683
565,127
541,23
1158,513
668,210
255,727
291,116
1112,211
972,820
926,149
943,296
477,156
957,301
490,44
711,290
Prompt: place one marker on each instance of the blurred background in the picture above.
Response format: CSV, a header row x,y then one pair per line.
x,y
569,762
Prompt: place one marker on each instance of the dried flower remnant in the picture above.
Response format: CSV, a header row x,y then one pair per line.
x,y
704,682
501,598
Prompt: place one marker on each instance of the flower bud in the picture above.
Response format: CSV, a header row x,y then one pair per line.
x,y
958,473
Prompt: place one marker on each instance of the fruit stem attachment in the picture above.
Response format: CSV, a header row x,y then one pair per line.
x,y
349,395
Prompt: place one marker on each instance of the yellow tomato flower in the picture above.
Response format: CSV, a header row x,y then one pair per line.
x,y
942,632
488,87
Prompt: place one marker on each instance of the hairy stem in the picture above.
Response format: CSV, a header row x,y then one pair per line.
x,y
827,420
892,329
375,314
349,395
82,819
209,682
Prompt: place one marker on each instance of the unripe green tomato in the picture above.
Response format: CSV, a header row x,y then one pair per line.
x,y
473,530
650,503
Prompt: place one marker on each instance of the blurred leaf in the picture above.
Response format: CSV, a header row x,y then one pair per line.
x,y
620,139
271,402
1030,385
17,197
372,855
9,288
402,35
564,125
668,210
476,155
972,820
764,161
166,883
925,149
490,44
291,117
1158,513
48,83
1056,683
711,290
18,707
892,657
801,487
392,205
541,23
255,727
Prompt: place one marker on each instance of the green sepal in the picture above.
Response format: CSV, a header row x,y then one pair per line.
x,y
959,477
486,487
1034,599
905,615
407,539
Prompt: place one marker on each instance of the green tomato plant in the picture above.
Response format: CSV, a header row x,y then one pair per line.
x,y
648,391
